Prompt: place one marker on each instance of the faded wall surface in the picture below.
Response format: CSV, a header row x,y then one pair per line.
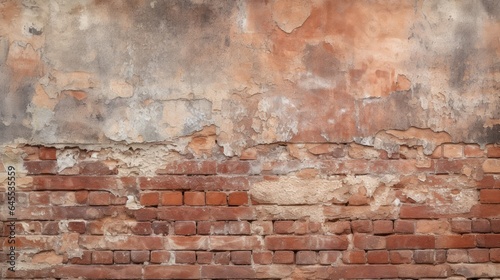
x,y
100,72
285,139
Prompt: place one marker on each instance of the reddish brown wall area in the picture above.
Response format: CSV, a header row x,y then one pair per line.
x,y
285,139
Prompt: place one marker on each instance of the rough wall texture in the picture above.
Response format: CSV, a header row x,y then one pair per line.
x,y
286,139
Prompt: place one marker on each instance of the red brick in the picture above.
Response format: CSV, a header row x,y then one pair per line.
x,y
401,256
452,150
170,272
235,243
493,151
488,182
30,153
51,228
282,242
99,198
487,211
340,227
377,257
185,257
194,183
263,257
472,150
216,198
283,257
488,240
481,225
238,198
181,213
139,256
194,198
150,199
489,196
160,227
142,228
47,153
40,198
39,167
432,226
203,257
424,256
478,255
423,271
222,258
495,225
363,272
233,167
461,225
329,257
362,226
455,241
187,243
457,256
85,259
369,242
81,197
189,168
160,256
354,257
185,228
121,257
306,257
171,198
262,227
383,227
238,228
145,214
221,213
124,243
79,227
404,226
495,255
98,271
284,227
102,257
74,183
241,257
227,272
410,242
491,165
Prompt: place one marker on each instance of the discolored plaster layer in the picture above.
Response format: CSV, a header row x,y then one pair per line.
x,y
98,72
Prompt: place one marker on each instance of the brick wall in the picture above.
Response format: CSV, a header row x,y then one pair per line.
x,y
359,213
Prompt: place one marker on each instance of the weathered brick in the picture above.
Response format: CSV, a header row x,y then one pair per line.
x,y
340,227
150,199
491,166
40,167
457,256
160,227
185,227
222,258
189,167
478,255
423,271
329,257
481,225
489,196
262,227
238,227
262,257
233,167
47,153
194,183
241,257
99,198
455,241
369,242
237,198
452,150
377,257
362,226
383,227
139,256
283,257
410,242
488,240
235,243
495,255
473,151
461,225
227,272
354,257
160,256
185,257
432,226
85,259
188,243
203,257
493,151
306,257
102,257
216,198
142,228
194,198
98,271
97,168
121,257
401,256
495,225
171,198
77,226
171,272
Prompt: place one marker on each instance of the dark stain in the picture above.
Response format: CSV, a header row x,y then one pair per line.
x,y
34,31
492,134
465,38
492,7
321,60
227,41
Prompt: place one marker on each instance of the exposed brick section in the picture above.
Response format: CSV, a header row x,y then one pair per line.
x,y
194,198
238,198
283,257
